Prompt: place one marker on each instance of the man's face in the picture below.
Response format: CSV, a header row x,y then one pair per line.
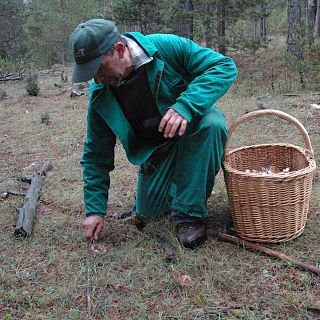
x,y
111,70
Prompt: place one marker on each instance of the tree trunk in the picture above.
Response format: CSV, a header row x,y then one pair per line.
x,y
185,20
140,19
64,54
208,9
310,20
262,23
262,28
221,13
64,33
294,23
255,28
317,22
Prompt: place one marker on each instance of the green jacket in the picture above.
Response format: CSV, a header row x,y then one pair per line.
x,y
182,76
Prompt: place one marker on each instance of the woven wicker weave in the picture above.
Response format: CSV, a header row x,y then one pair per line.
x,y
269,208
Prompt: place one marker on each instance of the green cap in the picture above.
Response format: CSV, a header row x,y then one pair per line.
x,y
89,41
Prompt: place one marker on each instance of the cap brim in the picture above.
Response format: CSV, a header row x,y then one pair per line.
x,y
86,71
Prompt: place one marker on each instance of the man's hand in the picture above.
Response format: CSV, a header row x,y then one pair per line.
x,y
93,226
171,122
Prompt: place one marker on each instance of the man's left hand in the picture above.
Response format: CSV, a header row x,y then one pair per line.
x,y
171,123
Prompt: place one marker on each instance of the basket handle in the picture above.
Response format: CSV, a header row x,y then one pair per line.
x,y
280,114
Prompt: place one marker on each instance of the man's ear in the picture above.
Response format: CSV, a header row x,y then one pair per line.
x,y
119,46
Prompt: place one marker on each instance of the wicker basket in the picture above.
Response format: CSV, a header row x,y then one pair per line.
x,y
269,208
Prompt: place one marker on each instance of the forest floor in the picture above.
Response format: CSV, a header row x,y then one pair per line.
x,y
128,274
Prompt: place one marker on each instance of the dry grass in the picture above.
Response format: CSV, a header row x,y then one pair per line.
x,y
55,274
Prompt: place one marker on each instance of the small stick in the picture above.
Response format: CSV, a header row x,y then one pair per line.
x,y
15,193
270,252
89,305
297,94
222,309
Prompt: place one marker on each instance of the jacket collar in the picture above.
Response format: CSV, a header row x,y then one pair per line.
x,y
143,41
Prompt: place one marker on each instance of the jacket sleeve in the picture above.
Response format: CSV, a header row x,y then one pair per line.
x,y
209,74
97,161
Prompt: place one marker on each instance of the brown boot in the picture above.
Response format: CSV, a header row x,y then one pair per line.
x,y
191,234
138,222
132,217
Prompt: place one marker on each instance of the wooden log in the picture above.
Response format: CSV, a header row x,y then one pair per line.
x,y
25,221
270,252
11,77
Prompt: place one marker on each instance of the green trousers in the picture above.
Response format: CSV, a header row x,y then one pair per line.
x,y
180,174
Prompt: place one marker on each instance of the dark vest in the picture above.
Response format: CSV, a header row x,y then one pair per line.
x,y
136,101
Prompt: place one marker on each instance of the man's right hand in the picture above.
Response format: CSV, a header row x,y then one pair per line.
x,y
93,226
172,123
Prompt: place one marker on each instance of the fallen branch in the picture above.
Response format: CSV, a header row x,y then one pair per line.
x,y
291,95
15,193
27,212
270,252
224,309
12,76
299,94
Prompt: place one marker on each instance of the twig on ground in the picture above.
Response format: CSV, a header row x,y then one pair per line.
x,y
270,252
298,94
89,285
222,309
15,193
